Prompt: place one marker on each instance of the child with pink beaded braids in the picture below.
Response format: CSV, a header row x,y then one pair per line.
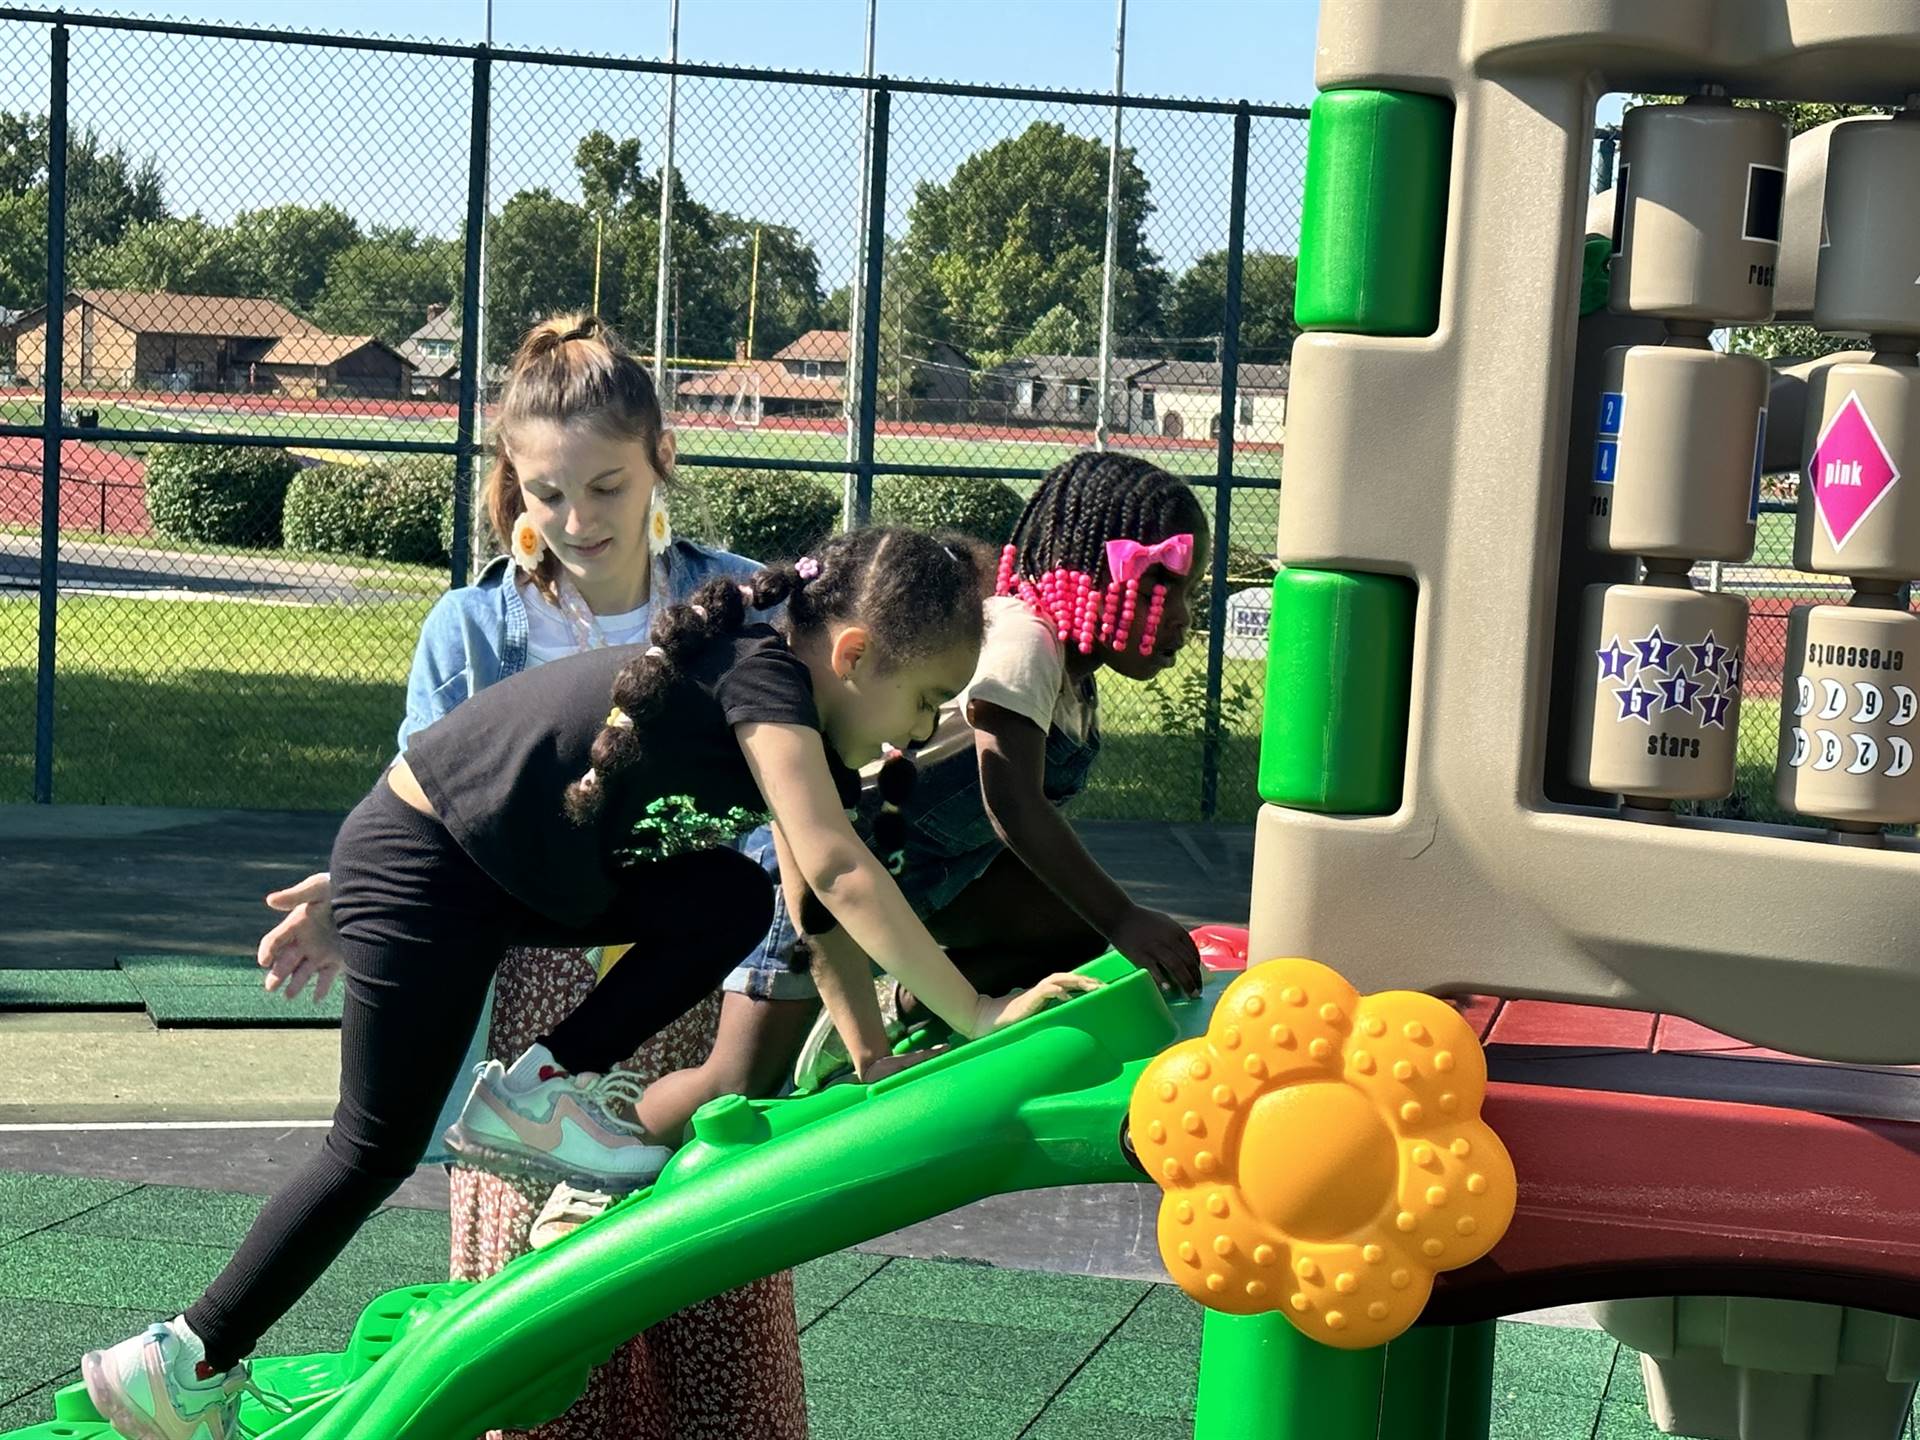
x,y
1099,574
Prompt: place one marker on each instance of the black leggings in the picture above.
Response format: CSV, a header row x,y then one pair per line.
x,y
423,929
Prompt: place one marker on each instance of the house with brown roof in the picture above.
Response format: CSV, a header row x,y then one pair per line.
x,y
434,352
157,340
810,377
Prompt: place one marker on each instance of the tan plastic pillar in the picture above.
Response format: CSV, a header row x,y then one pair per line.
x,y
1847,705
1678,453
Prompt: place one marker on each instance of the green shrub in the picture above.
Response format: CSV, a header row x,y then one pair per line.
x,y
409,507
391,509
218,494
765,515
985,509
326,508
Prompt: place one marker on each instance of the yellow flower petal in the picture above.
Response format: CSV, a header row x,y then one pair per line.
x,y
1322,1154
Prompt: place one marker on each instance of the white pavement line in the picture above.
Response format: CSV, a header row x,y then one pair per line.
x,y
169,1125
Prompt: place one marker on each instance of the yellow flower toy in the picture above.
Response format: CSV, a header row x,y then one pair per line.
x,y
1322,1153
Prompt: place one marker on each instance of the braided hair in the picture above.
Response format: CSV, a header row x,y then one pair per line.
x,y
916,594
1057,558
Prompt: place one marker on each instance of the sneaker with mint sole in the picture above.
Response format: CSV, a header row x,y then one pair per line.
x,y
157,1386
537,1119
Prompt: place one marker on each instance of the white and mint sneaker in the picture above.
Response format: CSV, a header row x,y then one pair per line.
x,y
824,1053
156,1386
537,1119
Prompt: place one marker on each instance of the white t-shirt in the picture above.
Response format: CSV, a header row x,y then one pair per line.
x,y
1023,668
551,634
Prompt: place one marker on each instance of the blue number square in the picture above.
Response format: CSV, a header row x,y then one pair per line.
x,y
1606,456
1612,402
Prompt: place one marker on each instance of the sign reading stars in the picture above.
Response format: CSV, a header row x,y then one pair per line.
x,y
1700,679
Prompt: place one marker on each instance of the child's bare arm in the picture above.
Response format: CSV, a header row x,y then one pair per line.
x,y
1012,753
841,973
789,764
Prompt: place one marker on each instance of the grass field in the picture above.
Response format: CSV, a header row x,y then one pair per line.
x,y
215,704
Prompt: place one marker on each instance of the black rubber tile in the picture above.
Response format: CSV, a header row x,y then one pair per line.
x,y
30,1202
987,1295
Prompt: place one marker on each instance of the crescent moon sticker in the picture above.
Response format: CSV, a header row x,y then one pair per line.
x,y
1866,754
1829,750
1833,699
1903,705
1799,748
1902,757
1805,701
1870,703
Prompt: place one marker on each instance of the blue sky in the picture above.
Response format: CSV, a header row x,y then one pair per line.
x,y
238,125
1232,49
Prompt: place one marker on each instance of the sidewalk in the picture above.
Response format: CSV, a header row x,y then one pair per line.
x,y
81,884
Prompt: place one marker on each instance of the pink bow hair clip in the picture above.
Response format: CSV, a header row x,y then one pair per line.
x,y
1130,560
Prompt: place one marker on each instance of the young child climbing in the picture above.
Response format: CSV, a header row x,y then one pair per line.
x,y
583,479
1098,576
525,817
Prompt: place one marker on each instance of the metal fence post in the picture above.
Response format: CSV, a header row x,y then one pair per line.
x,y
1223,470
1609,146
870,322
1103,399
664,265
471,358
50,422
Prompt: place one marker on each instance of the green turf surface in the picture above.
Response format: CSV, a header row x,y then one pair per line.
x,y
180,990
174,990
967,1351
66,990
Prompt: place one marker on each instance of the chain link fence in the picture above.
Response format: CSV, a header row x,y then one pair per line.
x,y
265,404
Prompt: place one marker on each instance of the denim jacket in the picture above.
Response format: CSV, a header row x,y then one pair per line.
x,y
477,635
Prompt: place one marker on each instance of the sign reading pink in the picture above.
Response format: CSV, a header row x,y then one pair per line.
x,y
1851,471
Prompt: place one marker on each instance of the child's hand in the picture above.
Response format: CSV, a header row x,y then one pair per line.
x,y
1161,946
304,946
997,1012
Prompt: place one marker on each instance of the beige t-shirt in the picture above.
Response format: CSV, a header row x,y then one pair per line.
x,y
1023,668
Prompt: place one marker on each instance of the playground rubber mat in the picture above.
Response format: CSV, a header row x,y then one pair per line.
x,y
174,990
67,990
984,1353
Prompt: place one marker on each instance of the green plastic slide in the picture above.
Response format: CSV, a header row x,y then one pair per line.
x,y
762,1186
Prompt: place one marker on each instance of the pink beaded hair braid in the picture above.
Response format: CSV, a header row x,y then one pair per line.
x,y
1058,562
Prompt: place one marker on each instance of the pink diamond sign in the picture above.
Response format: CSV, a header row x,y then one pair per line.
x,y
1850,472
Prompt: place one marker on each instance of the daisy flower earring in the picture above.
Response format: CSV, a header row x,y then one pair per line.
x,y
659,529
529,548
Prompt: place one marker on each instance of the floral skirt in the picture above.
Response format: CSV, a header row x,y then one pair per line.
x,y
727,1369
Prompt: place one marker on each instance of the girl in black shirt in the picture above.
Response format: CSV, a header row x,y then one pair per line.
x,y
532,815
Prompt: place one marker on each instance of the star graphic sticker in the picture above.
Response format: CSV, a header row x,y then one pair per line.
x,y
1677,691
1636,704
1655,650
1614,660
1713,709
1733,669
1707,655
